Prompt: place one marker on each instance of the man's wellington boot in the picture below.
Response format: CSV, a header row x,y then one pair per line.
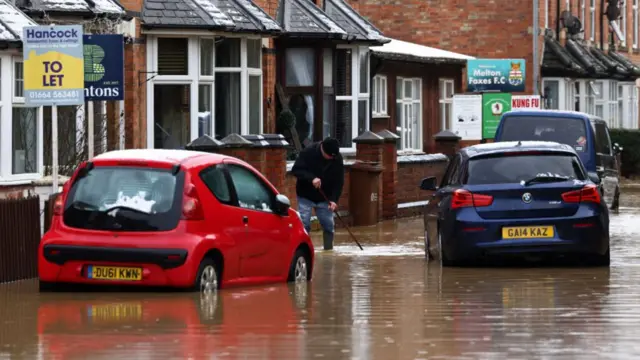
x,y
327,237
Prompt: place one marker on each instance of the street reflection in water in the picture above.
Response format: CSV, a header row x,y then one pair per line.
x,y
382,303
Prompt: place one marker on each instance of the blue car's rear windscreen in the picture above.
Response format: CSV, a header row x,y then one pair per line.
x,y
568,131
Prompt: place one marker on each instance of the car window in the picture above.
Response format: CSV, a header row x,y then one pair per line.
x,y
147,199
252,192
570,131
455,173
603,142
514,169
451,168
215,180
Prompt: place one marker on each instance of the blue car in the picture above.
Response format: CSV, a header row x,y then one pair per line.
x,y
587,134
529,199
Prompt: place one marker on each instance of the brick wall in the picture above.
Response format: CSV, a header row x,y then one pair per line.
x,y
492,29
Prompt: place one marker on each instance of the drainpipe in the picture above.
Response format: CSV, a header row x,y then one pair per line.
x,y
536,27
558,20
602,25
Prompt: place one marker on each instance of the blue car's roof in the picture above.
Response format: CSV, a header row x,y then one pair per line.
x,y
553,113
513,146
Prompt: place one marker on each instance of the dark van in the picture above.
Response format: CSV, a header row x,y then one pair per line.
x,y
587,134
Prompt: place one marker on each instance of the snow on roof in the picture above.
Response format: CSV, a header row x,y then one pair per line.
x,y
399,47
12,21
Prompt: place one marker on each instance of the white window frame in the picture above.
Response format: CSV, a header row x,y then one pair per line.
x,y
379,91
194,79
634,20
443,100
8,101
592,20
356,95
404,147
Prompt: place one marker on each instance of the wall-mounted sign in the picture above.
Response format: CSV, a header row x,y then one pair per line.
x,y
53,65
493,106
525,102
467,116
497,75
103,67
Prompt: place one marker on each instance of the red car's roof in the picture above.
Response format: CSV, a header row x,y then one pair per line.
x,y
158,156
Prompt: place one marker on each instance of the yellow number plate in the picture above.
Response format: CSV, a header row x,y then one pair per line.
x,y
528,232
114,273
115,312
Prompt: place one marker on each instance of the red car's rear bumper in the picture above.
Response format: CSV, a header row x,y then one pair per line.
x,y
158,267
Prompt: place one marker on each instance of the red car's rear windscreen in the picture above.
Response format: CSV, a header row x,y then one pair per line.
x,y
124,198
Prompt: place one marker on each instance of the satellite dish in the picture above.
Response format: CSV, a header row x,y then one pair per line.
x,y
571,23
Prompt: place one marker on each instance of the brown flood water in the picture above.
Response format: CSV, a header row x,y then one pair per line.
x,y
382,303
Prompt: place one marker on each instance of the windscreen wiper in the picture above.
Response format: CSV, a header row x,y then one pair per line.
x,y
545,178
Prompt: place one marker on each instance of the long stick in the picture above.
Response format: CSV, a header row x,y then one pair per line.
x,y
342,221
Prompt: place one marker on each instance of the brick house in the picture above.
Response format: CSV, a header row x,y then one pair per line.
x,y
579,71
407,98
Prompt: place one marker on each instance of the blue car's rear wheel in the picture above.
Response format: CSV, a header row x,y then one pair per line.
x,y
600,260
444,259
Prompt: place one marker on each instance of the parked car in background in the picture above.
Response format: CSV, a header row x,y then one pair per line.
x,y
524,199
588,135
173,218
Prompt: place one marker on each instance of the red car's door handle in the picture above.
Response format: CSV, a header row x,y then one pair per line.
x,y
245,219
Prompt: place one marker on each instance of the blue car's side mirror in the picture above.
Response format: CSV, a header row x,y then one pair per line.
x,y
429,184
594,177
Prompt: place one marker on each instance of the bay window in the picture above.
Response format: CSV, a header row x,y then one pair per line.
x,y
409,113
328,92
202,86
446,90
21,149
352,94
612,116
628,105
379,96
615,102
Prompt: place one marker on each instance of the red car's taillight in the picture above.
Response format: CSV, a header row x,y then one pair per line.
x,y
463,198
58,204
191,206
589,193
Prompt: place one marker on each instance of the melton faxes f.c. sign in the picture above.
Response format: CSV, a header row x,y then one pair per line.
x,y
53,65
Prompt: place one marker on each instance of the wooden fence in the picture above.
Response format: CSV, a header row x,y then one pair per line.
x,y
19,238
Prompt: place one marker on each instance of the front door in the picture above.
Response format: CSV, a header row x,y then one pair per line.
x,y
264,250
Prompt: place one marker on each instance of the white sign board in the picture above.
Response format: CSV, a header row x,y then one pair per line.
x,y
467,117
525,102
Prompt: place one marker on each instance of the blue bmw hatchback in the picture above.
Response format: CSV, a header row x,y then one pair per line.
x,y
529,199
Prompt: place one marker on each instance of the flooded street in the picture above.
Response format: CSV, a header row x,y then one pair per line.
x,y
382,303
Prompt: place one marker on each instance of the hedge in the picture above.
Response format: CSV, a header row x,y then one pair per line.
x,y
630,142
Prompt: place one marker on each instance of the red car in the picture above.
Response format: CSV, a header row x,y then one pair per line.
x,y
173,218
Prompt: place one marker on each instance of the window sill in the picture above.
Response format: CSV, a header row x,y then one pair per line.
x,y
18,180
410,152
380,116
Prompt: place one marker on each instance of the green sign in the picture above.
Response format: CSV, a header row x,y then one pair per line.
x,y
493,106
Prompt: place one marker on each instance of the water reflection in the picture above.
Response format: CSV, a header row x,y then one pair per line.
x,y
245,323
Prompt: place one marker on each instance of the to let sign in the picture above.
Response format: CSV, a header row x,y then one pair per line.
x,y
53,65
524,102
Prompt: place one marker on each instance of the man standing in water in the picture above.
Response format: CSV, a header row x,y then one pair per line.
x,y
320,172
